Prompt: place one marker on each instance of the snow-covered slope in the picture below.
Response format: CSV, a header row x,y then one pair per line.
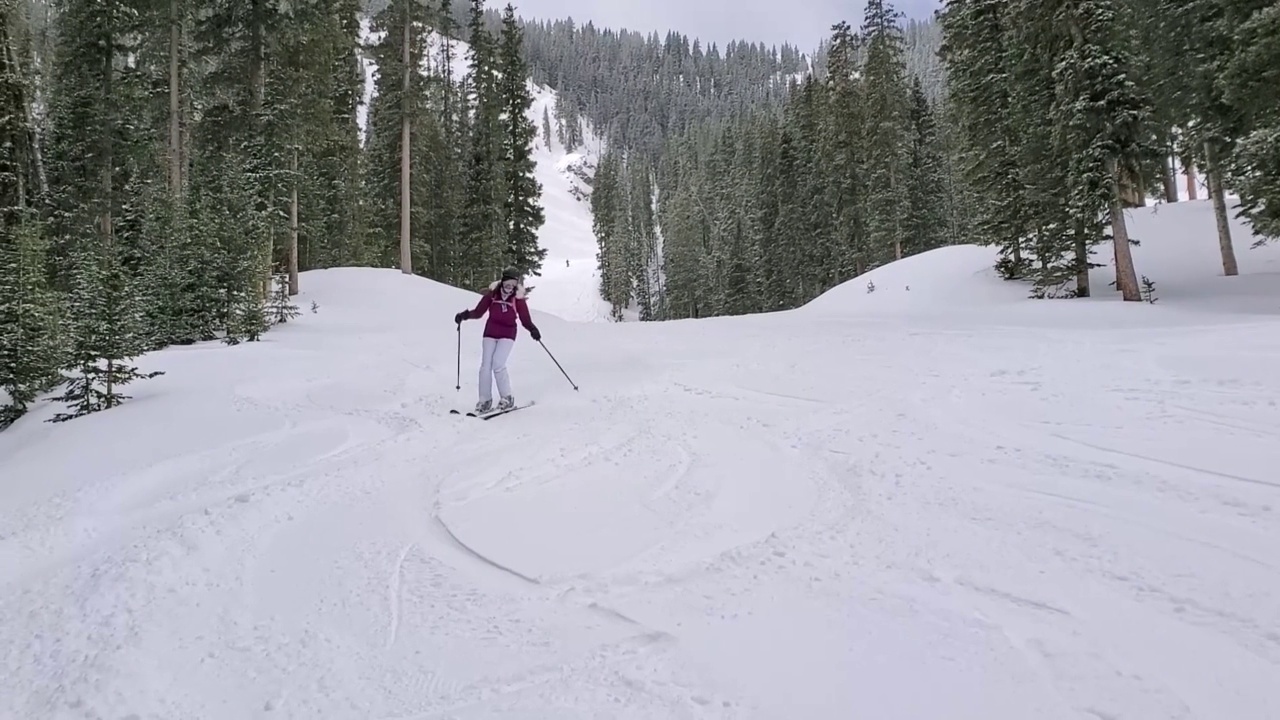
x,y
569,286
948,502
1178,252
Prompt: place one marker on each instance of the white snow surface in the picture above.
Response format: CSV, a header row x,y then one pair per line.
x,y
945,502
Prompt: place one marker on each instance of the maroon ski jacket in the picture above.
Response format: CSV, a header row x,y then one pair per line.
x,y
503,312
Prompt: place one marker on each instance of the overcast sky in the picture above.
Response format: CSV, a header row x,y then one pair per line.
x,y
801,22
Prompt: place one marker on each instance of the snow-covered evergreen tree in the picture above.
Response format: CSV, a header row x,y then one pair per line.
x,y
886,128
522,209
484,225
106,330
30,354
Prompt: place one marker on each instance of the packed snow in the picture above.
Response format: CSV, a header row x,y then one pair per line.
x,y
947,501
569,283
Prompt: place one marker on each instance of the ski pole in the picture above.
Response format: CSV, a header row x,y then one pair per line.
x,y
459,381
557,362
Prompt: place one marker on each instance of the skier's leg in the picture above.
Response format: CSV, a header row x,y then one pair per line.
x,y
486,373
500,355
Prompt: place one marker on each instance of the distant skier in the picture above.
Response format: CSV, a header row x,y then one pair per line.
x,y
504,301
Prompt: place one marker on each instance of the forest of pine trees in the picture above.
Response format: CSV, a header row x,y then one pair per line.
x,y
168,167
780,195
1070,112
1028,125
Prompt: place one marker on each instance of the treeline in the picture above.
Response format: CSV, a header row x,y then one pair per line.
x,y
1071,111
1040,122
638,90
168,167
774,204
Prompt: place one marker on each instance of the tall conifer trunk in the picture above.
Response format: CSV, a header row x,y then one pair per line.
x,y
1169,179
1213,174
1126,276
406,250
293,223
175,98
106,226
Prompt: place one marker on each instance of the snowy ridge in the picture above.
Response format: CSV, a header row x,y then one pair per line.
x,y
948,502
569,286
1178,251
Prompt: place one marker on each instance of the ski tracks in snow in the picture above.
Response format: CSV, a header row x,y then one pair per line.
x,y
735,537
640,494
158,566
1092,555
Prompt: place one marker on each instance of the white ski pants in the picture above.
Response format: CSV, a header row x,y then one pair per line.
x,y
493,366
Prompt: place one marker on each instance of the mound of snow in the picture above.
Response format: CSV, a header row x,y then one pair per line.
x,y
946,278
1178,251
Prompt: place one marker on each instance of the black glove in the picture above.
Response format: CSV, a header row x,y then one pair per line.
x,y
457,319
533,333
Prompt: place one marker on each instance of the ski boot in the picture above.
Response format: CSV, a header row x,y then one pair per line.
x,y
507,402
484,406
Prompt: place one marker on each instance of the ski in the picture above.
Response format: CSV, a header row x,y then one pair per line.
x,y
493,413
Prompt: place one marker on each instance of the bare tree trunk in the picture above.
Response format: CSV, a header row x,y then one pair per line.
x,y
406,254
1132,188
257,59
1126,277
293,225
897,221
106,225
257,99
14,38
1214,175
175,99
188,111
1170,182
1083,287
1189,171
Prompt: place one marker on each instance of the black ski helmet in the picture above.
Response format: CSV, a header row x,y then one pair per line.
x,y
511,274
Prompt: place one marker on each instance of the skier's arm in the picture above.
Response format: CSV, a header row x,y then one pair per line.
x,y
481,307
522,309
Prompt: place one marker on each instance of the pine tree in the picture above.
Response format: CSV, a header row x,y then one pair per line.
x,y
522,210
484,228
926,191
280,308
398,56
643,258
321,63
1059,245
29,349
1103,122
1247,82
886,129
850,252
607,209
1202,42
978,66
97,151
245,128
444,175
105,326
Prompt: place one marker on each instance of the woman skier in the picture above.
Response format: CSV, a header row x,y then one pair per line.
x,y
504,301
